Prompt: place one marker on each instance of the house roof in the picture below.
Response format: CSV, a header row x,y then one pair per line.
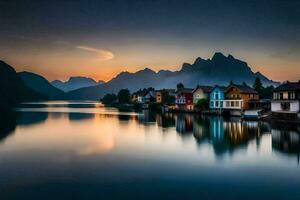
x,y
168,90
243,88
288,86
223,88
206,89
185,90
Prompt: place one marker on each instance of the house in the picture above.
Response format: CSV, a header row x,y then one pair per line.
x,y
217,97
150,96
171,92
286,99
201,92
158,96
237,97
184,99
146,96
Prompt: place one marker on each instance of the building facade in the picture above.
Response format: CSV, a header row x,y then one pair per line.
x,y
184,99
237,97
217,97
286,98
201,92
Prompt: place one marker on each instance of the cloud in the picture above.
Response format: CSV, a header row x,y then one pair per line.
x,y
101,53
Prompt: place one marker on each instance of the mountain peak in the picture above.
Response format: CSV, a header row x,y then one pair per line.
x,y
230,57
218,55
146,70
198,60
75,78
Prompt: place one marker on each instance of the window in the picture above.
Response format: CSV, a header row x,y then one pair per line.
x,y
237,104
217,103
221,104
232,103
227,104
216,95
281,95
211,104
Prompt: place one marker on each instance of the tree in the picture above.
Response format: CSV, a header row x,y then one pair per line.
x,y
109,99
258,85
166,97
266,93
124,96
202,104
180,86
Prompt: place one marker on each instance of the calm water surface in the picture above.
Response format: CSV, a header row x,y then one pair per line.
x,y
61,150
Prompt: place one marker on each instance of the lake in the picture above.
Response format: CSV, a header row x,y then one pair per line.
x,y
83,150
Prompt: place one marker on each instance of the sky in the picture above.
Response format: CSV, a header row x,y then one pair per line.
x,y
101,38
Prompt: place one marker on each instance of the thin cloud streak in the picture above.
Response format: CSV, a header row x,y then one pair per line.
x,y
101,53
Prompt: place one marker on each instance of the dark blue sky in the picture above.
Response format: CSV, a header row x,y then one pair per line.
x,y
101,38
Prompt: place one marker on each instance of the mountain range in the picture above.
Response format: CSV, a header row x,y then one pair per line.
x,y
220,69
13,89
41,85
75,83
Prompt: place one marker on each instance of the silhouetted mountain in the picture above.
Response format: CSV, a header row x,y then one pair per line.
x,y
75,83
12,87
41,85
218,70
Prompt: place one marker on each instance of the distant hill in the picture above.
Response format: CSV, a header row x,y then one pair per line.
x,y
13,89
219,69
75,83
41,85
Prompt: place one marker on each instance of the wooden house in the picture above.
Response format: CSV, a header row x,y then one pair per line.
x,y
286,99
201,92
184,99
237,97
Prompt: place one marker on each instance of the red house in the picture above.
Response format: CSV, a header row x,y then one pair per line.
x,y
184,99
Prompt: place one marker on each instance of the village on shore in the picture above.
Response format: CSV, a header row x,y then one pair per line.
x,y
256,102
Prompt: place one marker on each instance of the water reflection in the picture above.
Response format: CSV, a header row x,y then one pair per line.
x,y
286,139
92,146
225,135
80,116
31,118
8,121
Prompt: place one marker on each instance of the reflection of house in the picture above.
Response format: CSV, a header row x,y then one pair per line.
x,y
286,99
240,132
201,92
217,97
165,120
286,141
184,123
184,99
238,97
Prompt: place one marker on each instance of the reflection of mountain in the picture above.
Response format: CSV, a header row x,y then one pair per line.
x,y
30,118
7,124
80,116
